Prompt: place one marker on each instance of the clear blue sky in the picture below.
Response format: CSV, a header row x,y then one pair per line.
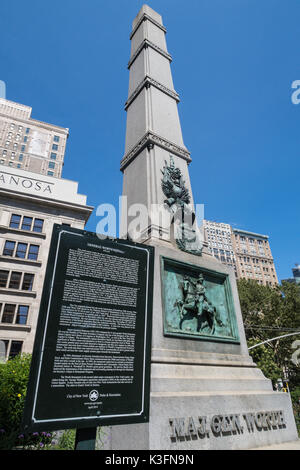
x,y
233,65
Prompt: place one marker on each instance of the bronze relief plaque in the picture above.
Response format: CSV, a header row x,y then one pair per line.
x,y
197,303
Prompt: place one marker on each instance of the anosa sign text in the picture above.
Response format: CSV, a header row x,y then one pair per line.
x,y
219,425
11,181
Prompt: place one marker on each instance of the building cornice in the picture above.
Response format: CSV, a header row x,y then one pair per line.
x,y
236,230
143,18
147,82
42,201
35,122
150,139
146,43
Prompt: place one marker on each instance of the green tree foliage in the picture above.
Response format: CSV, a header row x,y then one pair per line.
x,y
263,356
269,312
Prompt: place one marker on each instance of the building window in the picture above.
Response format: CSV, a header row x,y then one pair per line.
x,y
9,248
3,278
15,280
8,313
21,250
15,348
53,155
27,130
54,147
15,221
22,314
25,139
33,252
38,225
51,165
27,282
50,173
56,138
26,223
21,157
23,148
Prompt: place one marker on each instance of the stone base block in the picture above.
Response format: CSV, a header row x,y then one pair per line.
x,y
210,421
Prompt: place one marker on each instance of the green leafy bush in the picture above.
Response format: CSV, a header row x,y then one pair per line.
x,y
66,440
13,386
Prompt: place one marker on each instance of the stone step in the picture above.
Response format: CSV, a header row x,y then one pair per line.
x,y
204,384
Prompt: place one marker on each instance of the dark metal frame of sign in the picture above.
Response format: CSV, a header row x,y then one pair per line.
x,y
197,303
112,401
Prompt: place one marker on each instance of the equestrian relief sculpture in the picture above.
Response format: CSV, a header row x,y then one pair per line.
x,y
195,304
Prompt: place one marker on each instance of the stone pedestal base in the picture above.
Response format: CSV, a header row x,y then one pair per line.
x,y
205,394
209,408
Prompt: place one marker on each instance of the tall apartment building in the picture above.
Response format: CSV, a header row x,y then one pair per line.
x,y
254,259
247,252
218,236
29,144
33,197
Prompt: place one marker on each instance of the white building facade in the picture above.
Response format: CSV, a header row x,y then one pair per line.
x,y
30,203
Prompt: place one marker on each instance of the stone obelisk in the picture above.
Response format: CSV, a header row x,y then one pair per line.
x,y
206,392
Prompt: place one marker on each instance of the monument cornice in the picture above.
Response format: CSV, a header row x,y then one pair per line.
x,y
143,18
146,43
148,81
150,139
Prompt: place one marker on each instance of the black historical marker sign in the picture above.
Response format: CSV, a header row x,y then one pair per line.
x,y
91,359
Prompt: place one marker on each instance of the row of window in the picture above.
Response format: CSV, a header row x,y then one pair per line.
x,y
16,280
255,260
251,240
220,245
222,252
31,224
223,259
13,313
21,250
10,163
49,173
15,145
53,155
12,155
20,129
